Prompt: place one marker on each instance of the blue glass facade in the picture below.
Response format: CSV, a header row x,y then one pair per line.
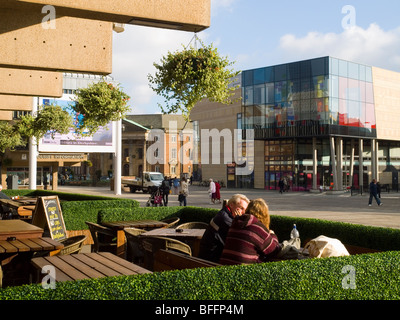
x,y
318,97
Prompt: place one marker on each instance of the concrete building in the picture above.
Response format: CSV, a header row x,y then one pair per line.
x,y
320,123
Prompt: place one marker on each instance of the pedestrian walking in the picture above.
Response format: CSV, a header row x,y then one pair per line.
x,y
373,193
217,192
212,191
176,185
183,192
165,190
281,186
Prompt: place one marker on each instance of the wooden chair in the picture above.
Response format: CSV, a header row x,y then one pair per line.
x,y
193,225
72,245
152,244
104,238
135,251
171,222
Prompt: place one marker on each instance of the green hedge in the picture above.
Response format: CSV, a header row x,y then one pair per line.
x,y
75,213
186,214
376,275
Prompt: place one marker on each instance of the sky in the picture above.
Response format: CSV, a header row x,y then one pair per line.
x,y
260,33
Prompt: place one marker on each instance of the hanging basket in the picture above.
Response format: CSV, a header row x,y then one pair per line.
x,y
186,77
98,105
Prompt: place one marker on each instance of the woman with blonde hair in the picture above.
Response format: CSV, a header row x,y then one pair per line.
x,y
249,239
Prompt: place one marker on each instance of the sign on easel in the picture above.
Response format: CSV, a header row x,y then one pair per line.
x,y
48,215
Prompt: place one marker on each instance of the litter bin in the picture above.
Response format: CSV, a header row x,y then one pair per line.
x,y
12,182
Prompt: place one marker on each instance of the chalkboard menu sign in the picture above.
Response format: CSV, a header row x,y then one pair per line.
x,y
48,216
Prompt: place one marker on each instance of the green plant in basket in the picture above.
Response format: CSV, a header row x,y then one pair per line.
x,y
99,104
185,77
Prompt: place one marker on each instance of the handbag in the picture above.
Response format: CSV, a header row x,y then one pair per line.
x,y
181,197
324,247
290,249
157,199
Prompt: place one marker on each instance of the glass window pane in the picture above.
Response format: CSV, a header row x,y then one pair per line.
x,y
321,86
269,116
334,111
343,68
294,90
248,96
362,72
305,67
259,116
280,91
259,76
368,74
343,114
362,85
343,88
353,70
248,118
370,116
270,93
334,66
334,87
318,67
259,94
353,90
354,113
269,74
305,110
247,78
296,109
306,88
369,92
294,71
281,72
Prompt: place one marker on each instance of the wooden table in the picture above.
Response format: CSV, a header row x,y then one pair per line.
x,y
190,236
23,206
15,256
19,229
29,245
87,266
119,226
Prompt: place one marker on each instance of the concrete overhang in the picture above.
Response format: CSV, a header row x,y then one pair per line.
x,y
15,103
75,44
186,15
31,82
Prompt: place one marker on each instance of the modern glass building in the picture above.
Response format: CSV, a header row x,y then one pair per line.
x,y
318,121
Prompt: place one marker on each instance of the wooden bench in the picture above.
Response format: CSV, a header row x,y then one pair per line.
x,y
85,266
172,260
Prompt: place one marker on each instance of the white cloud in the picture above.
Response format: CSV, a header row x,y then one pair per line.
x,y
134,52
373,46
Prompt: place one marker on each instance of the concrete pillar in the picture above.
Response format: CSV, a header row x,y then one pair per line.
x,y
33,152
351,169
339,162
118,158
373,160
333,162
315,163
361,162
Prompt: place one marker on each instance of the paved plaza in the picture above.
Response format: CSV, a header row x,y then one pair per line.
x,y
336,207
